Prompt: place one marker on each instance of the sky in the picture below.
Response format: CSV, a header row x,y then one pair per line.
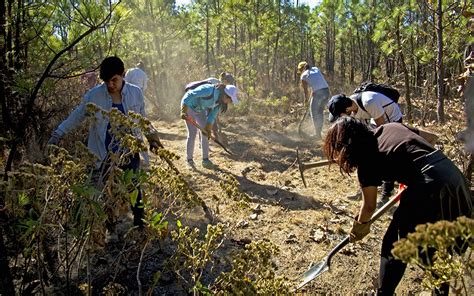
x,y
311,3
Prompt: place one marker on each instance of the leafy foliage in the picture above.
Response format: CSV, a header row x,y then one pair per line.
x,y
252,273
446,239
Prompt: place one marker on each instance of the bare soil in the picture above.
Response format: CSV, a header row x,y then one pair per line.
x,y
305,223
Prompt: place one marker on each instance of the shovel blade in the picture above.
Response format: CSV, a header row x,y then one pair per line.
x,y
313,273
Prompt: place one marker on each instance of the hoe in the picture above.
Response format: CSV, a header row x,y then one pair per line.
x,y
304,166
193,122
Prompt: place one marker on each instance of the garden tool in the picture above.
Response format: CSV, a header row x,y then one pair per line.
x,y
324,265
306,107
193,122
303,166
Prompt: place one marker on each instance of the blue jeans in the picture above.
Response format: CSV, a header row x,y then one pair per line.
x,y
319,100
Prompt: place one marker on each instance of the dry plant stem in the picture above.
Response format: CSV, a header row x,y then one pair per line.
x,y
117,260
81,250
40,277
38,268
67,260
139,267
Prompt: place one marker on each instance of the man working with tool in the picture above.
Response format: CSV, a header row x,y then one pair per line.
x,y
436,189
203,104
311,77
102,142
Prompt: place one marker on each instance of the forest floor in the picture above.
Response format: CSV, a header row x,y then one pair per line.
x,y
304,222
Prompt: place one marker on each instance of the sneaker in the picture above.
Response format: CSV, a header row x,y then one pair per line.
x,y
190,164
207,164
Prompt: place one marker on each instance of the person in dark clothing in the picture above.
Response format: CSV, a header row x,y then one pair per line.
x,y
436,189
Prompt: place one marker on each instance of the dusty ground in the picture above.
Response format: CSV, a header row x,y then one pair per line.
x,y
305,223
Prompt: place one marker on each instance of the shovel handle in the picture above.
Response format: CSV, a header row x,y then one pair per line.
x,y
374,218
388,205
193,122
337,248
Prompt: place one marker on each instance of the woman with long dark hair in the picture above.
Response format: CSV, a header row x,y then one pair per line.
x,y
436,189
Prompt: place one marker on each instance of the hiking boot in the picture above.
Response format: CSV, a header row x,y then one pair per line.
x,y
207,164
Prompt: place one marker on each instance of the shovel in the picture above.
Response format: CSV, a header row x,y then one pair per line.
x,y
193,122
324,265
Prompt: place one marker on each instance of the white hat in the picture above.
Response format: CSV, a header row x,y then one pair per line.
x,y
231,91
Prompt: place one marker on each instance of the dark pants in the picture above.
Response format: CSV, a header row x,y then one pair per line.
x,y
133,164
138,207
441,193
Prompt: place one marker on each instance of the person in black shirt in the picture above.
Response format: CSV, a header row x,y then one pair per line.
x,y
436,189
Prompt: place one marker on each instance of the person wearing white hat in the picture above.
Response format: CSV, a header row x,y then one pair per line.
x,y
204,103
226,79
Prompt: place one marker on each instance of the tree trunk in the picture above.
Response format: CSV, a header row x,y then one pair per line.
x,y
9,37
275,48
406,74
17,43
352,60
343,61
208,66
6,281
439,63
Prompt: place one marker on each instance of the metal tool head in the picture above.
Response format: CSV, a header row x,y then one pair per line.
x,y
300,166
322,266
314,272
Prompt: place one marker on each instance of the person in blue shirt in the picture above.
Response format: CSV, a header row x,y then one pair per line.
x,y
204,103
115,92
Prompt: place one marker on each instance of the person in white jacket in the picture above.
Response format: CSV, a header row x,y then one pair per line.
x,y
137,76
113,93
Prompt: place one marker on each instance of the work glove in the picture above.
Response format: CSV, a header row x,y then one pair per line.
x,y
55,138
154,140
184,111
208,130
359,230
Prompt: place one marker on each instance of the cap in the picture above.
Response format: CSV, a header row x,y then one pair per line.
x,y
337,105
301,66
231,91
228,77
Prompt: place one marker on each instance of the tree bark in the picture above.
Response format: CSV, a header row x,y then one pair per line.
x,y
6,280
439,63
406,74
208,66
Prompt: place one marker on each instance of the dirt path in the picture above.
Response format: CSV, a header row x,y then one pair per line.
x,y
305,223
